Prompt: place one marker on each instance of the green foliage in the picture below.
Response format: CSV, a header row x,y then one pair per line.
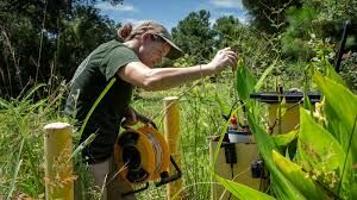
x,y
298,32
281,186
82,33
269,16
21,132
323,164
330,10
349,70
283,140
200,117
325,153
342,112
320,154
241,191
228,28
298,177
245,82
47,41
194,35
321,19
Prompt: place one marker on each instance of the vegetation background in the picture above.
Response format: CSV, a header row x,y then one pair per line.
x,y
42,43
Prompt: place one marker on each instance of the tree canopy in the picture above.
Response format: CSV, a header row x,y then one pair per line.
x,y
48,39
44,41
194,35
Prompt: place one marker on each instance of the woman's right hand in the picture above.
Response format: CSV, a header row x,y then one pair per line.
x,y
224,58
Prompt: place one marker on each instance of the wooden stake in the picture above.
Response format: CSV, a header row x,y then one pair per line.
x,y
58,165
172,136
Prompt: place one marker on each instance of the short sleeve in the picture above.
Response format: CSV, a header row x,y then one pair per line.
x,y
116,59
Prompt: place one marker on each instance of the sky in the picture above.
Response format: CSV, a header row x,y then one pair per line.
x,y
170,12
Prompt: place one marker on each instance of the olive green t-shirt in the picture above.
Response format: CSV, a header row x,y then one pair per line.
x,y
89,80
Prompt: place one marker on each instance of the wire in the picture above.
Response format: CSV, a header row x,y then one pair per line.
x,y
157,149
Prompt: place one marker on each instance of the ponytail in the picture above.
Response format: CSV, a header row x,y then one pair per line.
x,y
124,32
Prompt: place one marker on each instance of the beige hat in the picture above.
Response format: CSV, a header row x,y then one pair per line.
x,y
159,30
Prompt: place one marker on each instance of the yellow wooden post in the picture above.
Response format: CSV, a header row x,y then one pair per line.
x,y
172,136
288,120
58,166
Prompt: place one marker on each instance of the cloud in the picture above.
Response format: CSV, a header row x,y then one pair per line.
x,y
242,16
132,21
227,3
107,7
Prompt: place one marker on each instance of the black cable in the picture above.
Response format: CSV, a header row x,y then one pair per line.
x,y
232,177
342,46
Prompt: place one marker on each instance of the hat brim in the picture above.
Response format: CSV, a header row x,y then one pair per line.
x,y
175,52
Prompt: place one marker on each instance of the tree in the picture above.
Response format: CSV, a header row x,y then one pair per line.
x,y
269,15
81,35
47,40
322,19
194,35
228,29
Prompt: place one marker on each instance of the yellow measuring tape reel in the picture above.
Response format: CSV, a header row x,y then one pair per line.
x,y
143,155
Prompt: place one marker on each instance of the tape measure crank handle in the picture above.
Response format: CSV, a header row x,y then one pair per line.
x,y
174,177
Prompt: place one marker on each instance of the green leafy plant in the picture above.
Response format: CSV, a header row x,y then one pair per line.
x,y
322,166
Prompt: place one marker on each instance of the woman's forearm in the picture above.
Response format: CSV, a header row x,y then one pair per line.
x,y
164,78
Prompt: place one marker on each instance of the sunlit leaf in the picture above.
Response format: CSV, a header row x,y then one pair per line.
x,y
341,111
265,74
320,153
245,82
284,139
241,191
333,75
281,186
301,181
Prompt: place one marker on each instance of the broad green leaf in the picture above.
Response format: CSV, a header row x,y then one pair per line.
x,y
241,191
333,75
300,179
284,139
354,189
307,102
281,186
245,82
317,145
265,74
341,112
320,153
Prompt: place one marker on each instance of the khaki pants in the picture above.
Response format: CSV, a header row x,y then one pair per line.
x,y
103,173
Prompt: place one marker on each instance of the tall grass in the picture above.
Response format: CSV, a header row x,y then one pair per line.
x,y
21,138
21,144
201,116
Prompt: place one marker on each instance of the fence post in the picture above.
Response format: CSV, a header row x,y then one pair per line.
x,y
172,136
58,165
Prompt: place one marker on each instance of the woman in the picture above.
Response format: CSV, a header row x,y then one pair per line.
x,y
131,63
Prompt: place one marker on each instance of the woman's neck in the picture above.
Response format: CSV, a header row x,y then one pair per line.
x,y
132,44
